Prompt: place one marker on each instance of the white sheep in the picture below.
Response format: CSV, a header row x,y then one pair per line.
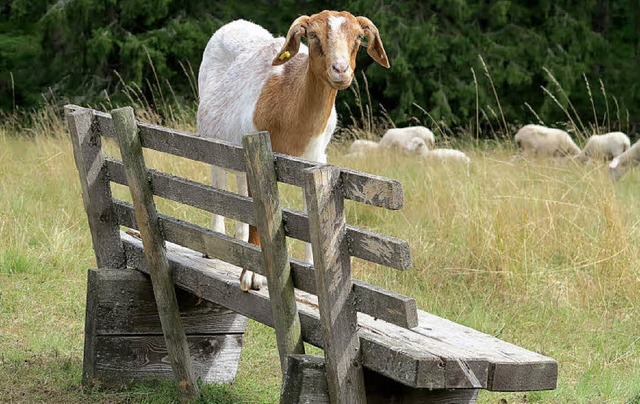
x,y
624,162
605,147
250,81
540,141
448,156
362,147
398,137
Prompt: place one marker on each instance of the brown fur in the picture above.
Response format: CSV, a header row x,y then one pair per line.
x,y
295,108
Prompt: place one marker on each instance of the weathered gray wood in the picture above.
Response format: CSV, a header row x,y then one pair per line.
x,y
96,193
96,197
512,367
304,381
261,176
361,187
338,318
124,304
128,338
369,299
364,244
145,357
406,356
147,219
90,332
382,390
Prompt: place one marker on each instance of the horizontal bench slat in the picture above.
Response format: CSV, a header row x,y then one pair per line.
x,y
364,244
361,187
217,281
377,302
407,356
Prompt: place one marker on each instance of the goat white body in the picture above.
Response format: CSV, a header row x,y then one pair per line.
x,y
398,137
626,161
605,147
540,141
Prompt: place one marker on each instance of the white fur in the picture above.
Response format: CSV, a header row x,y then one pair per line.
x,y
540,141
605,147
398,137
624,162
235,66
335,23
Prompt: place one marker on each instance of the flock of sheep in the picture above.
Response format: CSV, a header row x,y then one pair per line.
x,y
414,140
532,141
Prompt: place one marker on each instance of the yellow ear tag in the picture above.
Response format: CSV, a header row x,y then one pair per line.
x,y
285,55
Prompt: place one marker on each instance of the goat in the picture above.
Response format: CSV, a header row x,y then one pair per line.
x,y
250,81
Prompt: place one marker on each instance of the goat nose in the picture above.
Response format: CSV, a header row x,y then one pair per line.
x,y
339,67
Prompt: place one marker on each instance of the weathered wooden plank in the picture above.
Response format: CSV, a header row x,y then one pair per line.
x,y
370,189
338,318
90,326
381,304
381,390
364,244
304,381
143,358
217,281
399,354
124,304
261,176
96,193
213,244
512,368
96,198
147,219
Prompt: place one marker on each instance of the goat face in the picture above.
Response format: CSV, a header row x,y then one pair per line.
x,y
334,38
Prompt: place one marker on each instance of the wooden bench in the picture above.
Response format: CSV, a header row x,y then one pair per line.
x,y
392,352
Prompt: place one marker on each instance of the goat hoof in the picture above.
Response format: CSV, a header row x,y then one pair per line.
x,y
257,281
245,281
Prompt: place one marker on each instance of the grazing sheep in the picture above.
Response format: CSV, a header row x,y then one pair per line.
x,y
605,147
250,81
360,147
540,141
398,137
624,162
448,156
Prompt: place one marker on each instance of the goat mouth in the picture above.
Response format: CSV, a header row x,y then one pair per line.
x,y
340,84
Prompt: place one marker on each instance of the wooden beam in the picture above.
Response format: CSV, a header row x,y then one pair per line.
x,y
361,187
338,318
103,224
147,219
379,303
261,176
374,247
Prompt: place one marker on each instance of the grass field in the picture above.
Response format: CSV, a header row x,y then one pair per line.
x,y
541,254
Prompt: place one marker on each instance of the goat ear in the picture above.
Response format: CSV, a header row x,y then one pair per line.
x,y
292,43
375,48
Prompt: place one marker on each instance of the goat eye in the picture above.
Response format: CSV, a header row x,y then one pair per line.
x,y
313,36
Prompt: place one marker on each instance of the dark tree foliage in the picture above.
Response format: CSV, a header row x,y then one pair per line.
x,y
441,52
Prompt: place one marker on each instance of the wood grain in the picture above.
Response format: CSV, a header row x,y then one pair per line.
x,y
261,176
147,219
338,318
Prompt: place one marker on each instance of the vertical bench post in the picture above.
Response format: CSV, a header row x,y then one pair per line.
x,y
338,318
261,175
105,232
147,219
